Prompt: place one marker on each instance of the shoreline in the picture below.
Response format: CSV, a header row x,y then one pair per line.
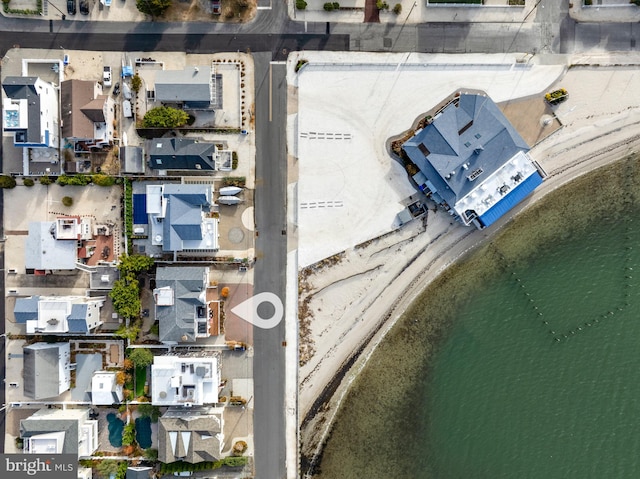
x,y
318,420
349,303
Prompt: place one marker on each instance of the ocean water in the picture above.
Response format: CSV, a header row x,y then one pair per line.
x,y
522,361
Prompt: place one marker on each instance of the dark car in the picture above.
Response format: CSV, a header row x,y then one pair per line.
x,y
116,89
84,7
71,7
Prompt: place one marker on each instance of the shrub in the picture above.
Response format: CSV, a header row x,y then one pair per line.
x,y
103,180
239,448
301,4
28,182
155,8
234,160
128,434
7,181
328,6
45,180
67,201
136,83
382,5
165,117
224,292
238,181
151,454
397,9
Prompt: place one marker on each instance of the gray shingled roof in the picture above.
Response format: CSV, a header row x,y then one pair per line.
x,y
181,154
177,321
183,217
203,443
23,88
132,159
188,85
44,421
138,472
42,369
26,309
476,134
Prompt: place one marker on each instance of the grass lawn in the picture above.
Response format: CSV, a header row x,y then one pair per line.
x,y
141,377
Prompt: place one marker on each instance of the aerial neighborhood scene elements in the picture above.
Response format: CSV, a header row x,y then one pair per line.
x,y
219,217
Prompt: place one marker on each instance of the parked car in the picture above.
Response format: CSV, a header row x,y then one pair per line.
x,y
216,6
106,76
84,7
71,7
116,89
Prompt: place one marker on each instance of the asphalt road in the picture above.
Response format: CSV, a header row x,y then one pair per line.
x,y
270,268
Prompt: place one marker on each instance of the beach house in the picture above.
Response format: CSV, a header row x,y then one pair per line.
x,y
472,162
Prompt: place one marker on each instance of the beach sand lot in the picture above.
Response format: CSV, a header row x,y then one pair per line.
x,y
347,304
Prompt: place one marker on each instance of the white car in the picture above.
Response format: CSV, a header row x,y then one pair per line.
x,y
106,76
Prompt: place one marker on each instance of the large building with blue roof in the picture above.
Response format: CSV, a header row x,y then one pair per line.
x,y
472,161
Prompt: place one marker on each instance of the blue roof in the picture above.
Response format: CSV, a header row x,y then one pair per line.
x,y
514,197
26,309
140,209
77,319
77,326
472,135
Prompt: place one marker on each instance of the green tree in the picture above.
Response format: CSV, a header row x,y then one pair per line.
x,y
165,117
7,181
382,5
28,182
141,357
155,8
301,4
67,201
45,180
397,9
136,83
125,296
328,6
134,264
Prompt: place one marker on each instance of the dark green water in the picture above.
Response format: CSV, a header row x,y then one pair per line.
x,y
523,361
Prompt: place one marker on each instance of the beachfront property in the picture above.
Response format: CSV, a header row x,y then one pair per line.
x,y
76,315
472,162
184,381
60,431
193,435
30,112
46,370
182,309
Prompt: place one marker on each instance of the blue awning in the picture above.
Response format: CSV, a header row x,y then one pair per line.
x,y
512,198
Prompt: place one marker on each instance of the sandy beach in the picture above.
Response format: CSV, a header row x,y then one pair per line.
x,y
351,295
